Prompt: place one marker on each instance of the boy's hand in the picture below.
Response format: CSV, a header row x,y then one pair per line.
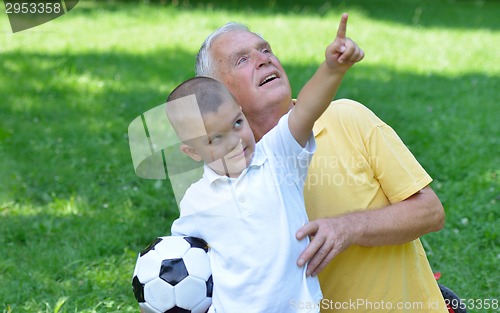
x,y
342,53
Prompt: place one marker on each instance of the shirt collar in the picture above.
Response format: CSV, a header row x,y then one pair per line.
x,y
318,127
210,175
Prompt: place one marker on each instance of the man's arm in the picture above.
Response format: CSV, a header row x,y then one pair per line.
x,y
395,224
318,92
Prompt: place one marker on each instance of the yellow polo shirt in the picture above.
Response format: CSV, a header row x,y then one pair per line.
x,y
362,164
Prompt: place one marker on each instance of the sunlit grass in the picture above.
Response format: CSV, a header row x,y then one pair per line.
x,y
73,214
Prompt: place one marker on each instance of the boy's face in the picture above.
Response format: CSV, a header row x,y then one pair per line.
x,y
229,144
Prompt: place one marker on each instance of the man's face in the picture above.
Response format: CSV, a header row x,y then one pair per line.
x,y
245,63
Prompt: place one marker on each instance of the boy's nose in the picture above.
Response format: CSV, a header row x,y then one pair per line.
x,y
234,142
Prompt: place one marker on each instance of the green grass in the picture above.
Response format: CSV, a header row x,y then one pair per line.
x,y
73,214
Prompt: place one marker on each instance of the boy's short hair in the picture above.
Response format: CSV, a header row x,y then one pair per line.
x,y
190,101
209,93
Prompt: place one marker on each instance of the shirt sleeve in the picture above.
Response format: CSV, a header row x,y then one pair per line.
x,y
288,153
185,226
282,142
399,173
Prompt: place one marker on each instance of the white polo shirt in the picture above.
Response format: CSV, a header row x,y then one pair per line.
x,y
250,224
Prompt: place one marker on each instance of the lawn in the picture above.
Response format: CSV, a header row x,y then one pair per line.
x,y
73,214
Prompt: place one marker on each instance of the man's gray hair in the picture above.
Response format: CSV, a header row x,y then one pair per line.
x,y
204,61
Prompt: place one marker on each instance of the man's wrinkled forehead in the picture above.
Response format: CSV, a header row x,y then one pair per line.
x,y
239,42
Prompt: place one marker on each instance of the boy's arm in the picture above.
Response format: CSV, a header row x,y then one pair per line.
x,y
319,91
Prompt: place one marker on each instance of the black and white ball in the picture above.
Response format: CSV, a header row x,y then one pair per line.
x,y
173,275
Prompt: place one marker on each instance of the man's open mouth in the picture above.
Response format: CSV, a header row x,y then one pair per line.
x,y
268,79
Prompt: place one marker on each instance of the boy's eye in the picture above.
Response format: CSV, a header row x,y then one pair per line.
x,y
238,123
214,140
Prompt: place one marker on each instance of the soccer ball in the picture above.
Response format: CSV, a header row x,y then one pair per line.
x,y
173,275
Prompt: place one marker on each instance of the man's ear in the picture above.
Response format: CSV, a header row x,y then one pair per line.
x,y
190,152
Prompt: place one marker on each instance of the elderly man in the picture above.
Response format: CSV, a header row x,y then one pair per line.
x,y
367,197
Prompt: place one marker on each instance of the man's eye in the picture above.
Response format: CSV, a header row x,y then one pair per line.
x,y
241,60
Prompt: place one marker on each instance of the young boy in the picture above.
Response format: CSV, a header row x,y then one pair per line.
x,y
249,203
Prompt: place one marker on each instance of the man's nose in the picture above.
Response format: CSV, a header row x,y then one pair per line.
x,y
261,59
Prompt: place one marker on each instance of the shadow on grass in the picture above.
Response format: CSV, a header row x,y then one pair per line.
x,y
454,14
66,116
49,255
63,139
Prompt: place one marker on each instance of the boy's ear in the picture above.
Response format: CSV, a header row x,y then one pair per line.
x,y
190,152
